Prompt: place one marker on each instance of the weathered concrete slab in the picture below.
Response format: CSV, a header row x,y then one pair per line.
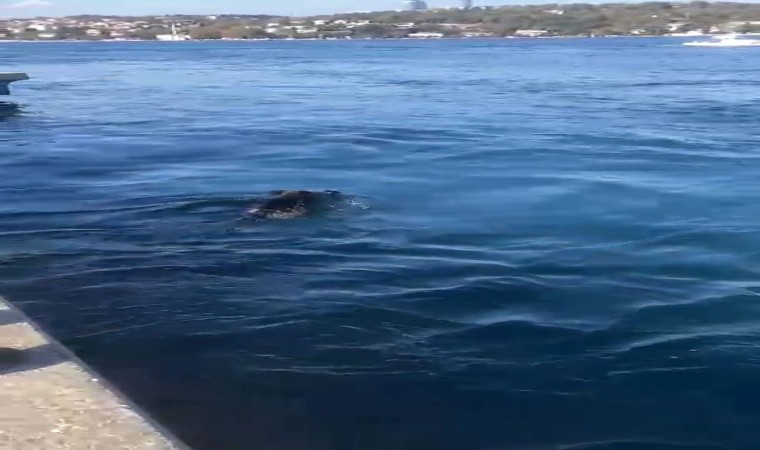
x,y
8,78
51,400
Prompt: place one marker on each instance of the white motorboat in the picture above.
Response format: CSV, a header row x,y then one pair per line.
x,y
725,40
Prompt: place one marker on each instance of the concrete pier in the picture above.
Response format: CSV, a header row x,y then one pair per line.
x,y
50,400
7,78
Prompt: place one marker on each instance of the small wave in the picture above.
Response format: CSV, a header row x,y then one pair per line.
x,y
712,312
359,204
52,232
212,204
641,444
516,330
415,83
690,83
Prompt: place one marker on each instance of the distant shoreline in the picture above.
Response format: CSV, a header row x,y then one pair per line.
x,y
484,38
535,21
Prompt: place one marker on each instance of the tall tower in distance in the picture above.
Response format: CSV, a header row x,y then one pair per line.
x,y
466,4
415,5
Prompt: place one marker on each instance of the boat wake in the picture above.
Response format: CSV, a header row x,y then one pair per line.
x,y
728,40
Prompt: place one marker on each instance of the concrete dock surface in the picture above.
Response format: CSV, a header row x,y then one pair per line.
x,y
51,400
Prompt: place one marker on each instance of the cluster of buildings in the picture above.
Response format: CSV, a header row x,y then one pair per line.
x,y
305,27
71,27
421,5
176,28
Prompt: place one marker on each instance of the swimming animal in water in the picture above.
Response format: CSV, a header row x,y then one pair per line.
x,y
292,204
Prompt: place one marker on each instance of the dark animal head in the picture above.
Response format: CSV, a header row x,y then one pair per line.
x,y
290,204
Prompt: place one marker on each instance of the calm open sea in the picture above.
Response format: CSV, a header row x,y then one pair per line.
x,y
556,243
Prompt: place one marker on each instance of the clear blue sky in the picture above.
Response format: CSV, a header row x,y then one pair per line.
x,y
20,8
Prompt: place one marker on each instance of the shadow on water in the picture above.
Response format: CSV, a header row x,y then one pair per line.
x,y
17,361
8,109
14,360
9,318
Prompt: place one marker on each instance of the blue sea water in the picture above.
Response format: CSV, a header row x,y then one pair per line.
x,y
556,243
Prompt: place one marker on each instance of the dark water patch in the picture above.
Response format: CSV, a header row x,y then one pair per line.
x,y
642,445
708,313
8,109
730,82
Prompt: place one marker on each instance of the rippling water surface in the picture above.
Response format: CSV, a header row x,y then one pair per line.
x,y
555,244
